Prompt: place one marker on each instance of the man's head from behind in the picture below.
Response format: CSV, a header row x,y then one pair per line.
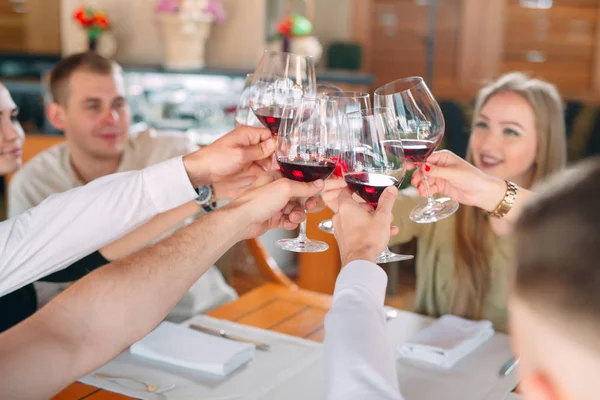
x,y
555,307
89,105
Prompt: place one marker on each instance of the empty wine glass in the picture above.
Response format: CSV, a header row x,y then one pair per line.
x,y
374,160
307,150
347,102
421,126
279,81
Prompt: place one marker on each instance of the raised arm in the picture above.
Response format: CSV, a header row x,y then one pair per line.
x,y
109,309
359,359
68,226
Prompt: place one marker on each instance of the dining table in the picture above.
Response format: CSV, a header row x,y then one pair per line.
x,y
291,311
288,310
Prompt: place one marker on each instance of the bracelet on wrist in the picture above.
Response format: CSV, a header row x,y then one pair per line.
x,y
507,202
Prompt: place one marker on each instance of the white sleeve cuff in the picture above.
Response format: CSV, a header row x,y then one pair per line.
x,y
363,274
168,184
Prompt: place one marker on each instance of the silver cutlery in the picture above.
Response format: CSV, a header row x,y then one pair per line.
x,y
508,366
223,334
150,388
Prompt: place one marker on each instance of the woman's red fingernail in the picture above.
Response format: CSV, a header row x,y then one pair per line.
x,y
427,168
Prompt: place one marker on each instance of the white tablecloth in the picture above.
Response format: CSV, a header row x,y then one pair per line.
x,y
473,378
293,369
287,357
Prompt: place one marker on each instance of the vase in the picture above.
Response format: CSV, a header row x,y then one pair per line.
x,y
92,44
303,45
105,44
184,41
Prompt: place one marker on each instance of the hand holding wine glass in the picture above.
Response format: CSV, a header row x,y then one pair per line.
x,y
361,232
307,150
374,160
421,126
244,149
450,175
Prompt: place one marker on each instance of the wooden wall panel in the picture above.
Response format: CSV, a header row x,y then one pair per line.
x,y
398,32
557,44
12,27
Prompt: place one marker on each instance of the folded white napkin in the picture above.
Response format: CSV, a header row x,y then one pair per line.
x,y
187,348
447,340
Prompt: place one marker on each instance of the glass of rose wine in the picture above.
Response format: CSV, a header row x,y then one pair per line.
x,y
374,160
421,126
307,150
279,81
347,102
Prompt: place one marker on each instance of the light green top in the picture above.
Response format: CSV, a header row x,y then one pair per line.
x,y
435,262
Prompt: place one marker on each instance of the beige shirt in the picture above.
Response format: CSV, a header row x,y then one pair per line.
x,y
435,262
51,171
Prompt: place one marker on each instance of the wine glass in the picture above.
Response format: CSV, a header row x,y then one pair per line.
x,y
280,81
374,160
243,113
421,126
307,150
347,102
323,89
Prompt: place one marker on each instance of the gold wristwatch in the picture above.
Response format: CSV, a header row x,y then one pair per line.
x,y
507,202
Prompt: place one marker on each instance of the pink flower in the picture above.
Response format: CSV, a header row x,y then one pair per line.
x,y
167,6
215,7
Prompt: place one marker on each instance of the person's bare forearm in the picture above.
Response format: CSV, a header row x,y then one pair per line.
x,y
148,232
95,319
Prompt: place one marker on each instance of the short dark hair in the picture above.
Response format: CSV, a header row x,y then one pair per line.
x,y
558,249
90,61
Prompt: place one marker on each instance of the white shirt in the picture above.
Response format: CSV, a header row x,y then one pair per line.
x,y
68,226
51,171
358,358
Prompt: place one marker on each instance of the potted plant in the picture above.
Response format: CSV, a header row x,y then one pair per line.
x,y
185,26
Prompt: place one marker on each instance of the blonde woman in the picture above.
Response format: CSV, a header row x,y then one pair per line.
x,y
518,134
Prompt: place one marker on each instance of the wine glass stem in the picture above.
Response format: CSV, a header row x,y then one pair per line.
x,y
302,234
430,201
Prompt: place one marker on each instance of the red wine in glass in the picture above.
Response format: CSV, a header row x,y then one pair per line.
x,y
370,185
416,150
306,171
271,117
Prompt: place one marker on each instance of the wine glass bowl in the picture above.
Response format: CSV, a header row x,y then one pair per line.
x,y
347,102
243,113
279,81
420,124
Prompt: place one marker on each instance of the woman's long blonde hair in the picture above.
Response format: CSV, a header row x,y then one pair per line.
x,y
471,275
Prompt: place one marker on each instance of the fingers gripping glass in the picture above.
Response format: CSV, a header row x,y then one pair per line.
x,y
421,126
374,160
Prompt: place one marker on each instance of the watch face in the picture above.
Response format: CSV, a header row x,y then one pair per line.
x,y
204,194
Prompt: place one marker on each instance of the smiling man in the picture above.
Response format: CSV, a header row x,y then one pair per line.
x,y
89,105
